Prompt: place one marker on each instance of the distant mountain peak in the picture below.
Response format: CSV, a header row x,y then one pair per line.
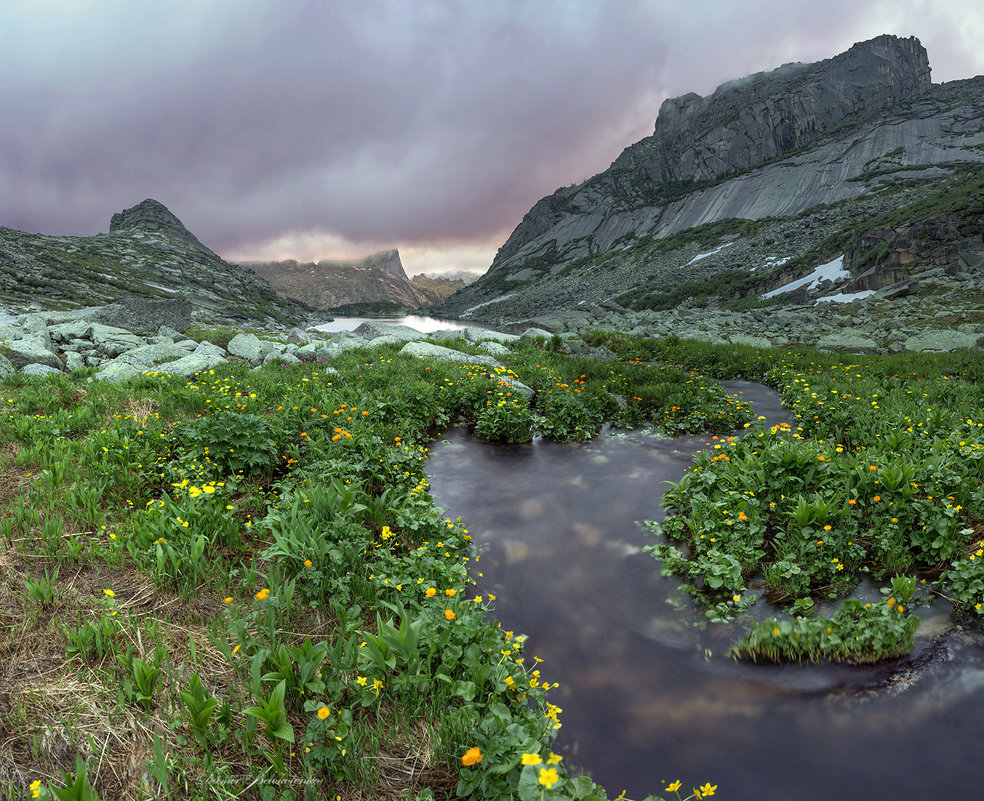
x,y
152,215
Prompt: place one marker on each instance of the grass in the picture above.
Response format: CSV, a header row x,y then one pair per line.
x,y
881,475
237,585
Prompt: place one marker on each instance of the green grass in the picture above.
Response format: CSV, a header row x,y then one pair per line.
x,y
238,586
881,475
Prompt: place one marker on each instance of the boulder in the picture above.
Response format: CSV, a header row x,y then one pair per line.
x,y
32,350
373,330
66,332
277,357
73,360
473,334
145,317
535,332
940,340
138,360
39,369
6,368
749,340
249,347
111,341
845,341
494,348
425,350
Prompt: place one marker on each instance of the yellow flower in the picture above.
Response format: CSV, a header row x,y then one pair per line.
x,y
531,759
451,593
431,592
324,712
548,777
35,788
672,788
109,593
553,759
361,681
708,789
472,757
449,614
262,594
227,600
307,563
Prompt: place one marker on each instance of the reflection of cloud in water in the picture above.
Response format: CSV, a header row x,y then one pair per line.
x,y
641,697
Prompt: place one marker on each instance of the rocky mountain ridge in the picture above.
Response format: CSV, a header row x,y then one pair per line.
x,y
146,254
738,193
328,284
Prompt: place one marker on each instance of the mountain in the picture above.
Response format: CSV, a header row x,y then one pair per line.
x,y
858,157
436,288
330,284
147,254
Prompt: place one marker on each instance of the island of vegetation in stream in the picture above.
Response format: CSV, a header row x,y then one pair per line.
x,y
239,586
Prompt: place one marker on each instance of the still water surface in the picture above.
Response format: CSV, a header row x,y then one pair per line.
x,y
422,323
646,696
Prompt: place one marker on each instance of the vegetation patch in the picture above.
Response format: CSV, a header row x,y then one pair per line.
x,y
238,586
881,475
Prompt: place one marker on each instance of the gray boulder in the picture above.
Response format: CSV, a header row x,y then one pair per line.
x,y
111,341
73,361
943,339
277,357
249,347
138,360
425,350
373,330
845,341
32,350
6,368
145,317
39,369
535,332
494,348
473,334
749,340
66,332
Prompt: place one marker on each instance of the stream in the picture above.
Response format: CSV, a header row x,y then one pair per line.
x,y
648,697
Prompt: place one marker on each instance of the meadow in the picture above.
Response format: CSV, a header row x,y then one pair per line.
x,y
238,586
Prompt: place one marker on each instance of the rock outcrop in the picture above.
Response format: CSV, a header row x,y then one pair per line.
x,y
153,216
148,255
329,284
766,176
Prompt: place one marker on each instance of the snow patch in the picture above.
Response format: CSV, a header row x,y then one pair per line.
x,y
832,270
842,297
486,303
700,256
168,289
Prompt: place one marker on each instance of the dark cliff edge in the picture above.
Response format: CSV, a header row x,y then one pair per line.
x,y
767,167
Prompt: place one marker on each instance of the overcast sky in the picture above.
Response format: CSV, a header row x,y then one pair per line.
x,y
315,129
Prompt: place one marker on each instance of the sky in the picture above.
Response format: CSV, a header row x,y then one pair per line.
x,y
323,129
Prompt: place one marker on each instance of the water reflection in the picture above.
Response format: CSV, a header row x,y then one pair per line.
x,y
645,695
421,322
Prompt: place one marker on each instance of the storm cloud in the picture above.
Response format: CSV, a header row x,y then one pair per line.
x,y
293,129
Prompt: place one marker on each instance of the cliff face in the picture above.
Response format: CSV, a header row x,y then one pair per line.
x,y
756,118
328,284
862,124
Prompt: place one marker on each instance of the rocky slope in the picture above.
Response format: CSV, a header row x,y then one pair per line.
x,y
329,284
736,194
436,289
147,254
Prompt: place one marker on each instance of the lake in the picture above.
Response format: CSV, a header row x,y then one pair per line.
x,y
426,324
